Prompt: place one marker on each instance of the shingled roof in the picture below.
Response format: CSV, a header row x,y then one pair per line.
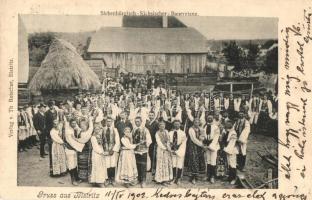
x,y
147,40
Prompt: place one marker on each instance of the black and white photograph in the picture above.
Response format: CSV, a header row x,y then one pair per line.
x,y
147,101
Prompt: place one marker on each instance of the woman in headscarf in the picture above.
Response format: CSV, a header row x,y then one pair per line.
x,y
58,151
127,172
164,173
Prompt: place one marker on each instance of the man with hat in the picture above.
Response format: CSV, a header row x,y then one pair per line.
x,y
177,139
40,126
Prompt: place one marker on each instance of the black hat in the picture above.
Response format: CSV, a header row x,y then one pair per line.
x,y
41,105
51,103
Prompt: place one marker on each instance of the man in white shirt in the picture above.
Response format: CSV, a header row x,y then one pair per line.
x,y
242,128
142,136
111,144
211,147
177,139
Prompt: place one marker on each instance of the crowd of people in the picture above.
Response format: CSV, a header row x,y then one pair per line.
x,y
123,133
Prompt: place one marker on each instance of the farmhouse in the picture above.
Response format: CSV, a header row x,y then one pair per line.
x,y
159,44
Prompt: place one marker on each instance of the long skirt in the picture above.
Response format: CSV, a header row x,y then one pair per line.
x,y
71,158
164,166
195,161
98,173
222,166
263,120
58,159
22,132
84,162
32,131
127,169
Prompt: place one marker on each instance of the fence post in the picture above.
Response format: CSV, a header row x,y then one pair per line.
x,y
270,177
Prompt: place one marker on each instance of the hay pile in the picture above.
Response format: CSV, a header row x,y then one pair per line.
x,y
63,68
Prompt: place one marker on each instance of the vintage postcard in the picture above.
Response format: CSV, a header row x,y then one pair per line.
x,y
156,100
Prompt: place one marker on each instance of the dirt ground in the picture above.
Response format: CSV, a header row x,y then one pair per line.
x,y
34,171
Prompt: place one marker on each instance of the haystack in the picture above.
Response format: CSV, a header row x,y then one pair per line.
x,y
63,68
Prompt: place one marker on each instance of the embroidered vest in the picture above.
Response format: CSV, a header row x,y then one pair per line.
x,y
174,145
265,107
108,139
231,104
239,127
207,141
254,105
139,136
225,141
164,138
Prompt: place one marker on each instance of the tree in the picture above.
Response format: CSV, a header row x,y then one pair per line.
x,y
271,61
268,44
253,52
234,55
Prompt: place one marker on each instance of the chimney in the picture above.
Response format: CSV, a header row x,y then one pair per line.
x,y
165,22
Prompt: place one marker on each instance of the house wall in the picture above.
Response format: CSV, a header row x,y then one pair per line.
x,y
141,62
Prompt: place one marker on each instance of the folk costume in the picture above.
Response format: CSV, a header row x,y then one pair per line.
x,y
211,140
72,146
231,152
58,153
111,146
84,157
152,126
242,128
98,173
164,166
195,153
178,142
127,169
141,135
254,104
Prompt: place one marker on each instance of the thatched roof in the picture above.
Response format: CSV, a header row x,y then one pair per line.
x,y
63,68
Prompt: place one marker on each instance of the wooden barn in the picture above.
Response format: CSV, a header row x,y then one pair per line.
x,y
159,44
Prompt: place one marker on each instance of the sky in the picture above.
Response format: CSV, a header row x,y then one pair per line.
x,y
214,28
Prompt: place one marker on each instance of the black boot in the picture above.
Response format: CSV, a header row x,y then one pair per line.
x,y
76,175
28,146
23,145
243,163
239,161
33,140
193,179
73,176
174,174
109,174
179,174
112,177
208,173
19,147
30,141
232,175
212,173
